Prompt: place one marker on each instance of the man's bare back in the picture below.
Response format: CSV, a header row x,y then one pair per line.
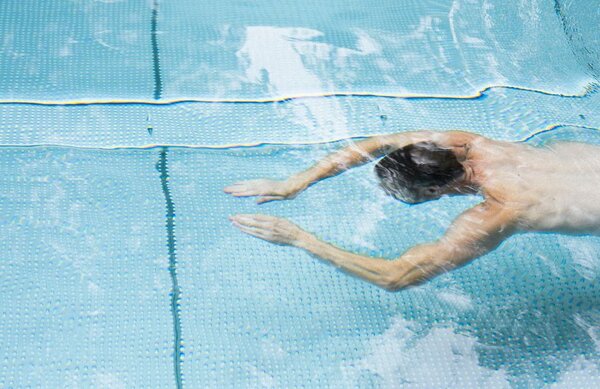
x,y
524,188
554,188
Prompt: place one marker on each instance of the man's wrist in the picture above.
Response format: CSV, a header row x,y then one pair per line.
x,y
295,184
305,241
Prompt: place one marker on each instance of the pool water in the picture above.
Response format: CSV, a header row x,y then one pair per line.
x,y
122,120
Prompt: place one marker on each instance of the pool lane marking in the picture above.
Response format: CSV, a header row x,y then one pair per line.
x,y
162,168
155,56
233,146
588,90
553,128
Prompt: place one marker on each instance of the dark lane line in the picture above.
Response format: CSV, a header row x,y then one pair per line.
x,y
155,57
162,168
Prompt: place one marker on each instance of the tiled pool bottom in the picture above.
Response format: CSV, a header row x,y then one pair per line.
x,y
86,284
119,268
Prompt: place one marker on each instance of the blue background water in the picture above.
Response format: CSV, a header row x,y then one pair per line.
x,y
98,229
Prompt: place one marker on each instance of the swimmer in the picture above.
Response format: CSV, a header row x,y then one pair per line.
x,y
525,188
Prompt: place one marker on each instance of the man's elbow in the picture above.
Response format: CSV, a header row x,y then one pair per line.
x,y
409,275
393,287
395,283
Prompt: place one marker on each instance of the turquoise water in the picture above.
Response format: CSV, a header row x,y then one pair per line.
x,y
121,122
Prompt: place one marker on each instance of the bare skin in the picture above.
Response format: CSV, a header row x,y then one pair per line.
x,y
551,189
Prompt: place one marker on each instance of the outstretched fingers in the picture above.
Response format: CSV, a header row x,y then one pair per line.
x,y
266,190
257,232
254,225
233,187
243,189
255,220
266,199
266,227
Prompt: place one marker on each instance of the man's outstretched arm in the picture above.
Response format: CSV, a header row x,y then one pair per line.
x,y
474,233
337,162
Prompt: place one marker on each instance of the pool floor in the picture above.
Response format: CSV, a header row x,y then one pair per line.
x,y
122,121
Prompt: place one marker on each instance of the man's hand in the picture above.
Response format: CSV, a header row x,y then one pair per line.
x,y
266,190
269,228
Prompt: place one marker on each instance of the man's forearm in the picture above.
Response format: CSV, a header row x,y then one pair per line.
x,y
356,154
342,160
375,270
415,266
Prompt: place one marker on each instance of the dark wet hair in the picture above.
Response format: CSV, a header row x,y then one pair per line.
x,y
417,172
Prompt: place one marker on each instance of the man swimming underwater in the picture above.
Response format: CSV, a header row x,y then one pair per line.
x,y
553,189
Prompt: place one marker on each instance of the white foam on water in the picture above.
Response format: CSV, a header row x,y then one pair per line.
x,y
581,374
589,322
261,379
402,357
108,381
584,254
457,298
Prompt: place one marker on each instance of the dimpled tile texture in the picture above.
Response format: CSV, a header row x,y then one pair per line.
x,y
81,49
245,48
119,268
82,296
74,49
501,113
521,315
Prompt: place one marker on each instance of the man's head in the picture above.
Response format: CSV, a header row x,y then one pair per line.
x,y
419,172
